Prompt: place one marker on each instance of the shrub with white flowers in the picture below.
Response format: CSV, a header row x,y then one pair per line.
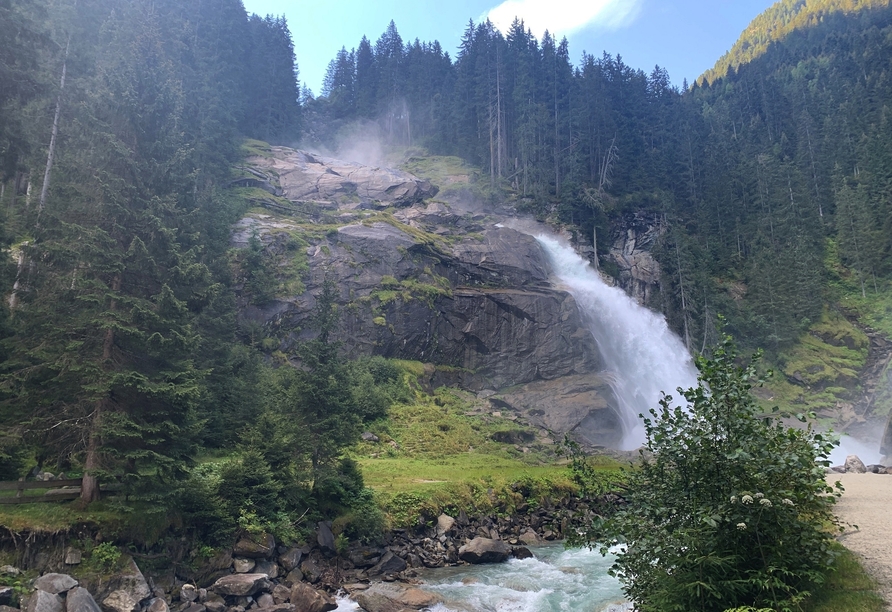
x,y
732,509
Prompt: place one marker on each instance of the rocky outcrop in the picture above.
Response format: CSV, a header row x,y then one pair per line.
x,y
304,177
578,403
430,284
435,285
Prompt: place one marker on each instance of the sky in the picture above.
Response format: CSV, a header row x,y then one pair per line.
x,y
686,37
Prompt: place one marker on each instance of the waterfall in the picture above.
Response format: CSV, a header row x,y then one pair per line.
x,y
643,356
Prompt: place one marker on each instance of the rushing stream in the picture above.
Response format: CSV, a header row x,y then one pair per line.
x,y
562,580
642,355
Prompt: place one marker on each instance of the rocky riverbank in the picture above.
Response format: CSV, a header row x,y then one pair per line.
x,y
258,573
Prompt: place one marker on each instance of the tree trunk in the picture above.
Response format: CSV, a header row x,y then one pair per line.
x,y
89,483
53,136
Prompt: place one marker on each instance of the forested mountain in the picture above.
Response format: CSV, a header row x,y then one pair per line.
x,y
768,183
756,178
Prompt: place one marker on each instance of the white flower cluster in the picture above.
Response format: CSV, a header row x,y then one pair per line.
x,y
787,502
741,526
747,499
765,502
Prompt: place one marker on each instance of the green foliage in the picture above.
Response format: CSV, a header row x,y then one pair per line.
x,y
105,556
733,508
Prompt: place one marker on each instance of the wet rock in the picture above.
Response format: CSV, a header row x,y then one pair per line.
x,y
7,595
241,585
393,597
55,583
484,550
522,552
79,599
307,599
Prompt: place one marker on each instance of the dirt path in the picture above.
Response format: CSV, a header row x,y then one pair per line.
x,y
867,503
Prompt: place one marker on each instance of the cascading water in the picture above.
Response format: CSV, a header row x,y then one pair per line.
x,y
642,354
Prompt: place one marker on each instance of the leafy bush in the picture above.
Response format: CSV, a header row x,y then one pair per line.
x,y
733,508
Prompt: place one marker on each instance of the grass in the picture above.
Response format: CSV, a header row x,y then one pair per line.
x,y
406,474
55,517
848,588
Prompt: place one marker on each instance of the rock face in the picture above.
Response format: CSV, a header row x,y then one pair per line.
x,y
241,585
308,177
433,284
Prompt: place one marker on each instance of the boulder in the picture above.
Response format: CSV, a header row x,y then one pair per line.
x,y
267,567
854,465
293,576
265,600
530,538
370,437
281,593
291,558
389,564
125,590
55,583
120,600
73,556
325,537
484,550
522,552
364,556
255,547
243,566
393,597
311,570
444,524
7,595
42,601
212,569
189,592
158,605
241,585
307,599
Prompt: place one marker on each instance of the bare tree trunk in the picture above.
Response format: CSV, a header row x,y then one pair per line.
x,y
51,154
89,483
595,262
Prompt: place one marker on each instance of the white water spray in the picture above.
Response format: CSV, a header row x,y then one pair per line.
x,y
642,354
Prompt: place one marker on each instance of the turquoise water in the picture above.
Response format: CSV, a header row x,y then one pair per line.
x,y
562,580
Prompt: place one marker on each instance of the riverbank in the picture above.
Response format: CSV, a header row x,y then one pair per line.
x,y
864,508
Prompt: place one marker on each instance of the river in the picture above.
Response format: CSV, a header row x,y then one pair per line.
x,y
557,579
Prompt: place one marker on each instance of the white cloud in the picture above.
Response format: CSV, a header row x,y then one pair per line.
x,y
562,17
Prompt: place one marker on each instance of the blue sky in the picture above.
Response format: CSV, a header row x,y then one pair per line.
x,y
684,36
